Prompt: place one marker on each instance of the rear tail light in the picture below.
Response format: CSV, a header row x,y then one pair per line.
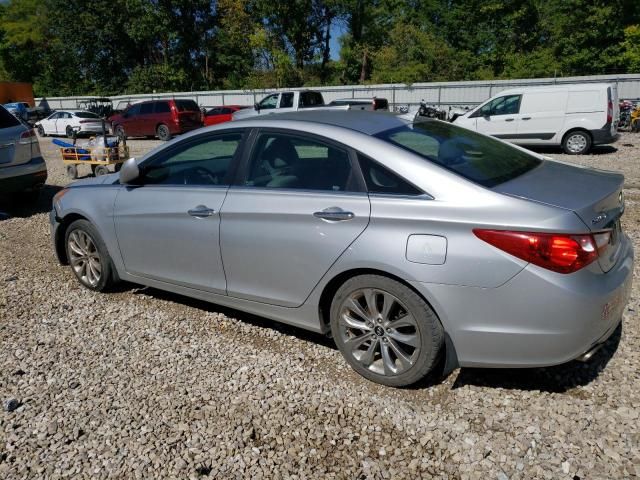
x,y
609,112
557,252
28,136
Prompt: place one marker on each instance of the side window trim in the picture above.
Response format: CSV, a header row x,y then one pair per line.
x,y
421,196
231,173
251,143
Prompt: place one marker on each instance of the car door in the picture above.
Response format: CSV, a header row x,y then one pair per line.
x,y
49,123
269,104
146,124
297,206
130,120
168,223
286,102
500,117
61,123
542,116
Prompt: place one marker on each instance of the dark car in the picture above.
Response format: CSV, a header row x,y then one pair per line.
x,y
222,114
158,118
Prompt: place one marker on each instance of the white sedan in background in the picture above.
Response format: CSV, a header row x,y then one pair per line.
x,y
65,122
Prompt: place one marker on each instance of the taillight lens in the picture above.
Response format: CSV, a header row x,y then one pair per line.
x,y
28,136
609,112
557,252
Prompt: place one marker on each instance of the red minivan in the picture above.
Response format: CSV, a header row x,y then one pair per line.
x,y
157,118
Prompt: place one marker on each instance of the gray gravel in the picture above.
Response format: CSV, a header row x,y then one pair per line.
x,y
141,383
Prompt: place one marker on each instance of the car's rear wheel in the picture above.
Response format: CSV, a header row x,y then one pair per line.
x,y
385,330
41,131
69,131
99,170
88,257
576,143
163,133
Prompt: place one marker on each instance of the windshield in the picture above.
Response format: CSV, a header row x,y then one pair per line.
x,y
478,158
86,115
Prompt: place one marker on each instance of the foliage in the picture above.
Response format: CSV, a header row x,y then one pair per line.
x,y
84,47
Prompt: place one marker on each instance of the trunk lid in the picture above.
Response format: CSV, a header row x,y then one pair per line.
x,y
595,196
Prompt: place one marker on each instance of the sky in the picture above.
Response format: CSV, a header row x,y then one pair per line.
x,y
337,30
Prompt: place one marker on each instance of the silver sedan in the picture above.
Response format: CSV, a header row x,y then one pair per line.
x,y
409,241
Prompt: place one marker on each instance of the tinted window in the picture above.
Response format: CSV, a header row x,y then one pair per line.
x,y
214,111
146,108
476,157
134,110
162,107
187,106
7,120
381,180
206,162
508,105
287,161
269,102
286,100
311,99
86,115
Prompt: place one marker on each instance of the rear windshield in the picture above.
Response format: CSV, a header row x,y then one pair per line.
x,y
86,115
187,106
478,158
6,119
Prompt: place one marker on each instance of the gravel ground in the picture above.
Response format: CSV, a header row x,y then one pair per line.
x,y
141,383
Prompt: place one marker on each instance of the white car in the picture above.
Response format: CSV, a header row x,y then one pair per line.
x,y
575,117
65,122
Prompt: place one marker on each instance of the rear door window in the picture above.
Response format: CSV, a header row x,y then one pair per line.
x,y
146,108
481,159
381,180
7,120
162,107
286,100
310,99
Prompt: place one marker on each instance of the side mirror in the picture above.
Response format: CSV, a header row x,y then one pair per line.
x,y
129,171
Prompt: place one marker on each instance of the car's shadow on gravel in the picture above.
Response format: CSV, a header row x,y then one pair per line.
x,y
558,379
255,320
22,207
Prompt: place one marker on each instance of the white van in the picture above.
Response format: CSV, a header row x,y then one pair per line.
x,y
575,117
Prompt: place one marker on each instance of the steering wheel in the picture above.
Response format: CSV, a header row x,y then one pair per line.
x,y
196,175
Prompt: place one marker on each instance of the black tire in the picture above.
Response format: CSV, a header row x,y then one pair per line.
x,y
69,131
425,331
41,131
106,278
163,132
117,167
101,170
72,171
576,142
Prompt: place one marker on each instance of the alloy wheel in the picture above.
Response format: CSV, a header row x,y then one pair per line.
x,y
84,258
379,331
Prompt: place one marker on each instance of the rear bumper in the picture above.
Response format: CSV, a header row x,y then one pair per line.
x,y
603,136
539,318
28,176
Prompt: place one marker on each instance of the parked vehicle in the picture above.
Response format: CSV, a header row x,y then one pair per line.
x,y
158,118
70,123
576,117
18,109
22,168
101,106
370,104
405,240
285,102
221,114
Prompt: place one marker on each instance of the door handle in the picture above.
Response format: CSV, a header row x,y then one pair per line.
x,y
201,211
334,214
509,119
526,118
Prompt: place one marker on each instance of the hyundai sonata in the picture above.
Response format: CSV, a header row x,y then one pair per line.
x,y
407,240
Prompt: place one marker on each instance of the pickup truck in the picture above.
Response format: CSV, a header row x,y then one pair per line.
x,y
287,102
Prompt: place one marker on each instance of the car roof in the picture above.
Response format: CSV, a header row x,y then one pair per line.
x,y
369,123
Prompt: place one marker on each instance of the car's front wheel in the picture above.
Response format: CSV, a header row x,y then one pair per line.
x,y
70,132
385,330
41,131
88,256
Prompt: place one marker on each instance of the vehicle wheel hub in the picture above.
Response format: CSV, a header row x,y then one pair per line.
x,y
84,258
